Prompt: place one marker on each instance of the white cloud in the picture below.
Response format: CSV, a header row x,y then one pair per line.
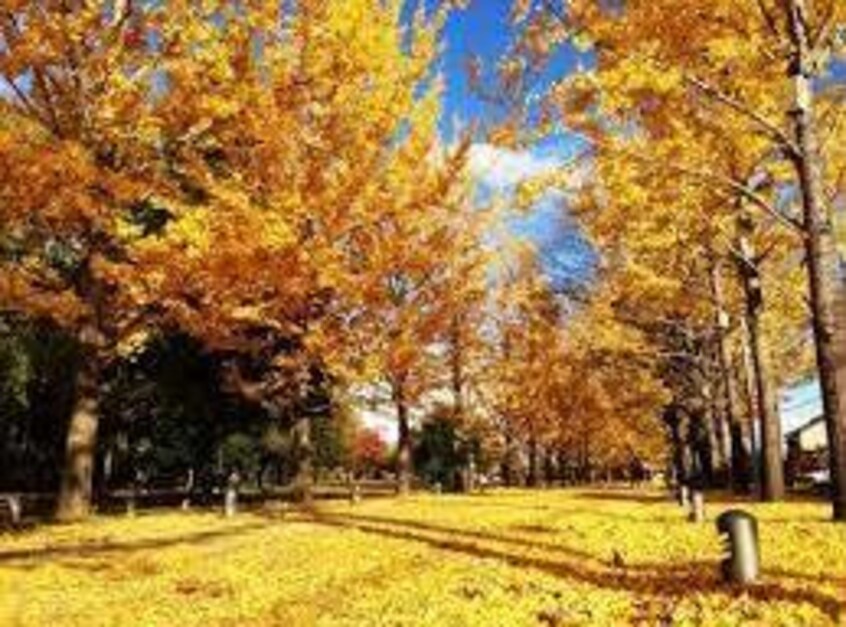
x,y
500,169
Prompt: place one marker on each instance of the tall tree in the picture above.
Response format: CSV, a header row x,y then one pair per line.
x,y
739,70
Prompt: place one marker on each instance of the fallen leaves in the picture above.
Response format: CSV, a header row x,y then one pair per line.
x,y
504,558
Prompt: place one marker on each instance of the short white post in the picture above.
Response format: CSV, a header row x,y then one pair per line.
x,y
14,509
230,499
697,507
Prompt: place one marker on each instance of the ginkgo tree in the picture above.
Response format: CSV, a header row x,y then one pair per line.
x,y
407,302
77,166
206,167
756,73
568,380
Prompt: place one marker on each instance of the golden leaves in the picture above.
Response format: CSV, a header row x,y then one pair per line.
x,y
503,558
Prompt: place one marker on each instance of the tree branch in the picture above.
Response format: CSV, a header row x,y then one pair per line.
x,y
765,124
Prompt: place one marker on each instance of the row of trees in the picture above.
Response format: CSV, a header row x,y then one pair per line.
x,y
710,176
260,194
266,179
230,221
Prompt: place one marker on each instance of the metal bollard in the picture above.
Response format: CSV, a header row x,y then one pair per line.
x,y
740,531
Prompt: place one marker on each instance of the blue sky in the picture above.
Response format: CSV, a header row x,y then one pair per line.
x,y
800,404
484,30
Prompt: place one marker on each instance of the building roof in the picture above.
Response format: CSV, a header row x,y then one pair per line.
x,y
808,425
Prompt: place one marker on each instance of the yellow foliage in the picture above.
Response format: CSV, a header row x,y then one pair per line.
x,y
593,557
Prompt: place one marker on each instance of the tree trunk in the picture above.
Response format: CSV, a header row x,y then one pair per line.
x,y
731,446
75,492
700,471
404,468
721,444
549,470
821,255
534,463
304,481
672,419
508,459
705,418
457,372
772,465
751,407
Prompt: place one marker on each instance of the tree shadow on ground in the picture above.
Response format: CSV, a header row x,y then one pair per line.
x,y
28,558
657,580
380,522
481,500
620,495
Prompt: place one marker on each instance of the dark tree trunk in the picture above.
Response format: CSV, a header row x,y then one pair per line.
x,y
820,253
726,391
549,470
750,403
561,463
701,469
304,481
404,469
772,465
457,371
738,451
534,463
76,489
507,459
721,444
672,419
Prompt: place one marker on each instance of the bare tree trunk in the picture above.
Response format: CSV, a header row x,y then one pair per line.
x,y
304,481
549,470
508,459
534,463
728,386
457,371
772,465
699,443
672,418
404,469
821,255
721,444
751,407
75,492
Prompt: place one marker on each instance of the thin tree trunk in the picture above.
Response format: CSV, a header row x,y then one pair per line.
x,y
404,468
534,470
721,444
75,492
673,421
508,459
727,384
549,474
772,465
820,250
699,444
304,481
751,406
457,371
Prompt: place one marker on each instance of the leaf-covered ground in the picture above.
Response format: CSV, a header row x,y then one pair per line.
x,y
597,557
